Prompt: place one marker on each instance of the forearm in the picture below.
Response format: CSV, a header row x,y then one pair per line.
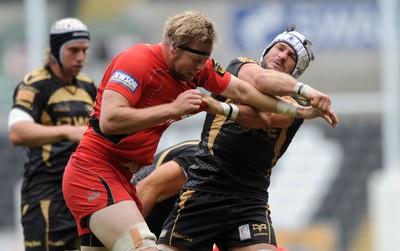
x,y
31,134
254,119
267,103
165,181
118,116
123,120
280,84
245,93
275,83
147,197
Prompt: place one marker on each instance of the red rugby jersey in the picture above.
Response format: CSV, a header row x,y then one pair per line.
x,y
141,76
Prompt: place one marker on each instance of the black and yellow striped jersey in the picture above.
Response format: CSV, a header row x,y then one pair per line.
x,y
50,102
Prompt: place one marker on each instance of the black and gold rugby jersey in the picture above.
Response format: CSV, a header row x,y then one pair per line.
x,y
232,159
50,102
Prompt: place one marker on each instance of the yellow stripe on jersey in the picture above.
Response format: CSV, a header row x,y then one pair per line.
x,y
63,95
166,152
36,75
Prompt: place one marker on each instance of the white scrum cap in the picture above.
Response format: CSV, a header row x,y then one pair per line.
x,y
300,45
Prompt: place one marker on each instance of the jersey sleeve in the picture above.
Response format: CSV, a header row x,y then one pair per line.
x,y
235,64
213,77
28,99
127,73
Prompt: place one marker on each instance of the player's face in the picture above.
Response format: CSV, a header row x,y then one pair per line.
x,y
73,57
281,57
186,62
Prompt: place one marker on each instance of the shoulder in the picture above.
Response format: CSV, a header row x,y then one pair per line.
x,y
36,76
141,55
141,50
245,60
83,77
242,60
235,64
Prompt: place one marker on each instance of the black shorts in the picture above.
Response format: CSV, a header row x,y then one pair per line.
x,y
201,219
49,225
159,213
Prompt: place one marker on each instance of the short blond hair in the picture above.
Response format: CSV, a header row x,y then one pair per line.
x,y
189,26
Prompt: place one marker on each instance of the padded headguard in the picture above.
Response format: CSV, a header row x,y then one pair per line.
x,y
65,31
300,45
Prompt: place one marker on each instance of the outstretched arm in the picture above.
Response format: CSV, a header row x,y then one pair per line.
x,y
276,83
245,93
253,118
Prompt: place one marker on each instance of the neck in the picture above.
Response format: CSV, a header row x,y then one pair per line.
x,y
59,72
165,47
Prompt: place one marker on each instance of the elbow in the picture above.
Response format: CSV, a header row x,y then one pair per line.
x,y
106,128
258,80
15,139
109,126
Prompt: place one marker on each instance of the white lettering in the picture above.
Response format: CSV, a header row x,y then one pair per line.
x,y
125,79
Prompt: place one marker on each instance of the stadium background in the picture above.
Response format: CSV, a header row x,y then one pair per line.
x,y
319,191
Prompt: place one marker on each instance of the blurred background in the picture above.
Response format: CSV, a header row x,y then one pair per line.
x,y
334,189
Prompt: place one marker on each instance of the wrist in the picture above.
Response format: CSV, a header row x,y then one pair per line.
x,y
302,89
229,110
286,108
298,87
235,112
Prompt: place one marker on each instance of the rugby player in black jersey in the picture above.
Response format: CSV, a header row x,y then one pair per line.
x,y
51,108
225,199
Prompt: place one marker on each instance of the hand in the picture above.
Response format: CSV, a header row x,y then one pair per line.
x,y
187,102
331,117
74,133
317,99
211,105
309,112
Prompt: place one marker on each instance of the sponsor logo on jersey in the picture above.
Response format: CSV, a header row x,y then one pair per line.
x,y
218,68
125,79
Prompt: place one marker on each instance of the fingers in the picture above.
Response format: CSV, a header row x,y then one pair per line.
x,y
310,112
188,101
328,119
331,118
322,103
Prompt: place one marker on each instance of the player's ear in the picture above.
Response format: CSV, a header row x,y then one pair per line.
x,y
173,49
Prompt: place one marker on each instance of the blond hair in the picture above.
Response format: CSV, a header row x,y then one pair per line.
x,y
189,26
50,59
